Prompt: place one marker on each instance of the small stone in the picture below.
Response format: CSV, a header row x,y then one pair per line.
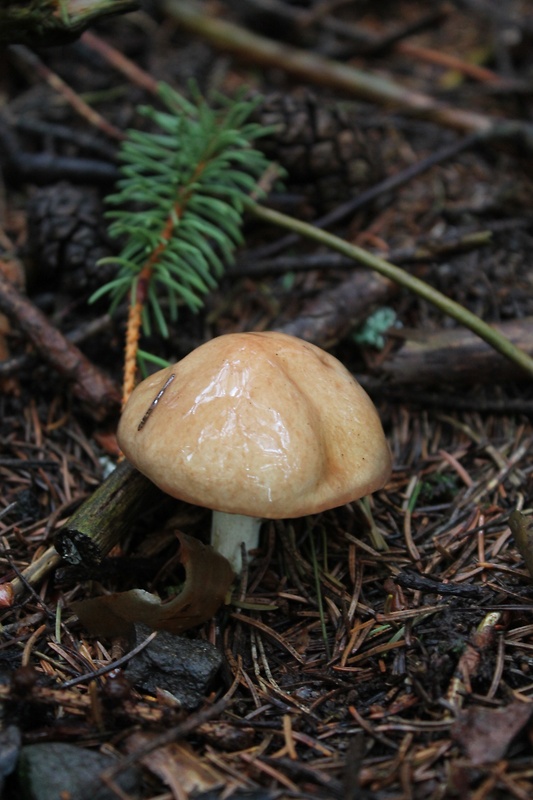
x,y
174,664
10,740
53,770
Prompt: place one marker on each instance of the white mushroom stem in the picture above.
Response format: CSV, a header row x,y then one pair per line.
x,y
229,531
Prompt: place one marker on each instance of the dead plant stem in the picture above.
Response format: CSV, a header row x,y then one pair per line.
x,y
408,281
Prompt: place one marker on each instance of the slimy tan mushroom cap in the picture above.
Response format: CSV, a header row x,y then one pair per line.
x,y
261,424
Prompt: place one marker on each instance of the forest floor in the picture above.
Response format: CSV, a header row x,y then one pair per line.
x,y
337,670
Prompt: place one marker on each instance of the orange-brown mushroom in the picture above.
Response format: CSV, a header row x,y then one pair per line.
x,y
255,426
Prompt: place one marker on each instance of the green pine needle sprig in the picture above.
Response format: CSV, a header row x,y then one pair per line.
x,y
180,201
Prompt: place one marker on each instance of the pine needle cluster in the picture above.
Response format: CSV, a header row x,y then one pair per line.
x,y
181,198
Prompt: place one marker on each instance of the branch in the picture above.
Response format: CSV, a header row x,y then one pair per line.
x,y
95,389
105,517
316,69
101,521
52,22
399,276
79,105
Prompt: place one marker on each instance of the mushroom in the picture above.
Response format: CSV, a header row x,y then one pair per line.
x,y
255,426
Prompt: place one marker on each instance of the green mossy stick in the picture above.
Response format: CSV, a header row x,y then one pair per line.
x,y
105,517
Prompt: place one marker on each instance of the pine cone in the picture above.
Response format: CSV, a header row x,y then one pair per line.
x,y
67,236
327,158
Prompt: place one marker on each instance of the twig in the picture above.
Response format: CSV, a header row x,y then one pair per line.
x,y
49,167
120,62
90,533
88,141
59,85
180,731
369,43
349,208
46,168
133,335
408,579
28,577
449,61
91,386
89,676
410,282
77,336
315,69
427,248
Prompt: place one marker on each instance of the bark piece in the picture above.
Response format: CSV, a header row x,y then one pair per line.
x,y
334,313
458,356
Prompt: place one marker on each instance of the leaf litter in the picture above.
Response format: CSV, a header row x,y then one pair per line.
x,y
346,671
415,672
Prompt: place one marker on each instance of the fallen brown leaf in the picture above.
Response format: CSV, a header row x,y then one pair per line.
x,y
486,733
208,577
178,766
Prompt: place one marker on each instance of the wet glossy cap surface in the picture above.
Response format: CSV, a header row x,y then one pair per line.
x,y
261,424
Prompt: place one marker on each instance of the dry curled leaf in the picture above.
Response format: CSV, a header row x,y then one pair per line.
x,y
208,577
178,766
521,527
486,733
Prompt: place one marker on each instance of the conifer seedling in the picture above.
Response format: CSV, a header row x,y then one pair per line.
x,y
178,208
